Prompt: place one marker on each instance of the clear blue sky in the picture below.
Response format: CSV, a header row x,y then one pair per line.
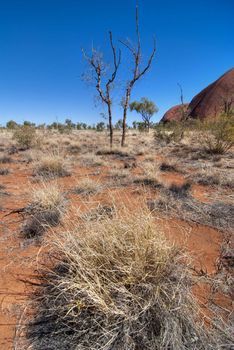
x,y
41,62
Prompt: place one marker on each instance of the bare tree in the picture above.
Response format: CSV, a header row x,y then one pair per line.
x,y
99,69
138,72
183,109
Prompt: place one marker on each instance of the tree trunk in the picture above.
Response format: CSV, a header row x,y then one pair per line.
x,y
126,103
110,125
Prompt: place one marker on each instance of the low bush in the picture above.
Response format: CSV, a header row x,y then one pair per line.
x,y
219,135
25,136
168,134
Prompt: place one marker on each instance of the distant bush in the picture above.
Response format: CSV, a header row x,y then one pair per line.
x,y
25,136
219,135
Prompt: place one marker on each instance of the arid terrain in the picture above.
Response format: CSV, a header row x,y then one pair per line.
x,y
187,191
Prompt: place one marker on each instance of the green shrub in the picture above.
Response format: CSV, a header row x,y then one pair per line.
x,y
219,135
25,136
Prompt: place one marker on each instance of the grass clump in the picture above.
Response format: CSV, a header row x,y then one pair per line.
x,y
87,187
51,166
180,190
4,171
5,159
45,210
116,285
168,167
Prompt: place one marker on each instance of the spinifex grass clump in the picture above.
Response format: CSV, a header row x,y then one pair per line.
x,y
117,284
45,210
51,165
87,187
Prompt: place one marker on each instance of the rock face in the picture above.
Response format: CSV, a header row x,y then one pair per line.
x,y
215,99
175,113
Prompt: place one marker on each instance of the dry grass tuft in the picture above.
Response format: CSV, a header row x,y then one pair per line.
x,y
87,187
5,159
4,171
51,166
45,210
47,197
116,285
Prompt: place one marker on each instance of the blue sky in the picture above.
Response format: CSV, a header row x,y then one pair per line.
x,y
41,62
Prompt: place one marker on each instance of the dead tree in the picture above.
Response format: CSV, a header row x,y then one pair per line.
x,y
99,69
183,112
137,73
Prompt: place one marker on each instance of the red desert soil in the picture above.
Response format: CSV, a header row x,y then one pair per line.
x,y
18,258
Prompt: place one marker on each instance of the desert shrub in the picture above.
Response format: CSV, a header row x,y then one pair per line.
x,y
37,224
4,171
47,197
87,187
174,132
99,213
183,206
5,159
25,136
219,136
74,149
167,167
115,152
119,284
52,165
150,176
211,177
180,190
45,210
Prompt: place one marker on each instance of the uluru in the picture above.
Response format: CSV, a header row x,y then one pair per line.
x,y
215,99
175,113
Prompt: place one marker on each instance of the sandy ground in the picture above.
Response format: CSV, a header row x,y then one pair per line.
x,y
18,258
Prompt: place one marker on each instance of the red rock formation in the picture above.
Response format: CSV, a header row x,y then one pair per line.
x,y
175,113
215,98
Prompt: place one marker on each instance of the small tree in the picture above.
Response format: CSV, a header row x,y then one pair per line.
x,y
11,124
119,124
146,108
99,70
100,126
138,73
